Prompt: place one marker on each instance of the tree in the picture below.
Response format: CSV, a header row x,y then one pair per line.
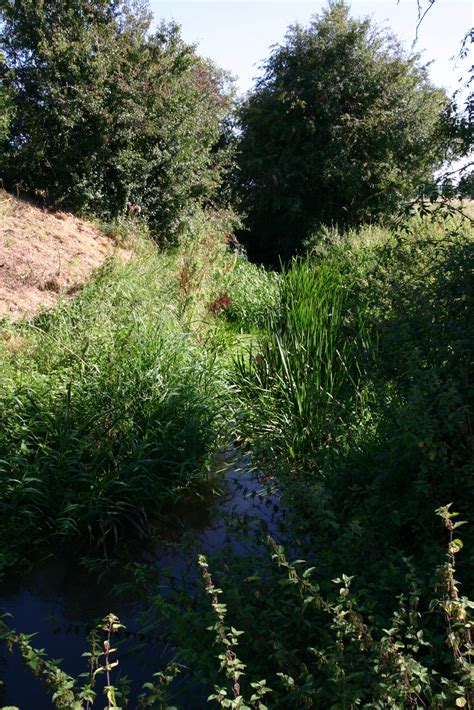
x,y
108,113
342,127
5,107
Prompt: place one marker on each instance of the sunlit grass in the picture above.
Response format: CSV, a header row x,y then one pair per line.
x,y
111,405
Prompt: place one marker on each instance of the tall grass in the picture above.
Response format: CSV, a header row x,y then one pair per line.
x,y
109,407
254,295
305,360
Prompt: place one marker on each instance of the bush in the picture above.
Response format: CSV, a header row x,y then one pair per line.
x,y
342,128
367,402
5,109
410,445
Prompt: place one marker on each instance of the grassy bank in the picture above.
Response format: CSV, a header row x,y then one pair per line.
x,y
113,404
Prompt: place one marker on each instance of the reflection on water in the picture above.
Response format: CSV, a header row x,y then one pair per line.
x,y
62,601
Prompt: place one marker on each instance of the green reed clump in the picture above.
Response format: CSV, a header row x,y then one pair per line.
x,y
109,408
306,360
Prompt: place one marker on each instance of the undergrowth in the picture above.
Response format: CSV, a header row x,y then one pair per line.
x,y
348,376
111,405
359,392
320,649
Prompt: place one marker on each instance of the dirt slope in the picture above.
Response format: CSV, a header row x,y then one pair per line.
x,y
44,255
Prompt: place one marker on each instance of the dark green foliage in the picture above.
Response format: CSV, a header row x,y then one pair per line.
x,y
376,455
342,127
5,107
316,644
466,185
417,450
316,640
108,113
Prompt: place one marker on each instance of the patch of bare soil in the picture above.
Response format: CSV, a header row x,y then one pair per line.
x,y
45,255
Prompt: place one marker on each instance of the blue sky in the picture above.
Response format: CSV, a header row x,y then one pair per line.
x,y
237,34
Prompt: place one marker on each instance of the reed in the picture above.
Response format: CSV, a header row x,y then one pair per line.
x,y
297,374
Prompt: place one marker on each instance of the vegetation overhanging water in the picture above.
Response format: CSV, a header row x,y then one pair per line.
x,y
316,371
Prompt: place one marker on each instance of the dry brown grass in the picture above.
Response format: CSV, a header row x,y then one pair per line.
x,y
44,255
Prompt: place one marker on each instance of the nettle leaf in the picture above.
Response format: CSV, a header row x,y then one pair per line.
x,y
455,546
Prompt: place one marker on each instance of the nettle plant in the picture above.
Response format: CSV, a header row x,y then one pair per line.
x,y
333,654
68,693
227,637
324,648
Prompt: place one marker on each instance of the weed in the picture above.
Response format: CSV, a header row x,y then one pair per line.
x,y
68,693
254,296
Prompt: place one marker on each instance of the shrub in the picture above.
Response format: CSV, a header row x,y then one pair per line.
x,y
418,295
367,404
5,108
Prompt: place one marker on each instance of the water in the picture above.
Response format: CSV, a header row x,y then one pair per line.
x,y
61,601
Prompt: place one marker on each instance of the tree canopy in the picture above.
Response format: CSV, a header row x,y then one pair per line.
x,y
108,112
5,107
341,128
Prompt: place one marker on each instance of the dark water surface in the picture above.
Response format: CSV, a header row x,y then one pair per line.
x,y
61,601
